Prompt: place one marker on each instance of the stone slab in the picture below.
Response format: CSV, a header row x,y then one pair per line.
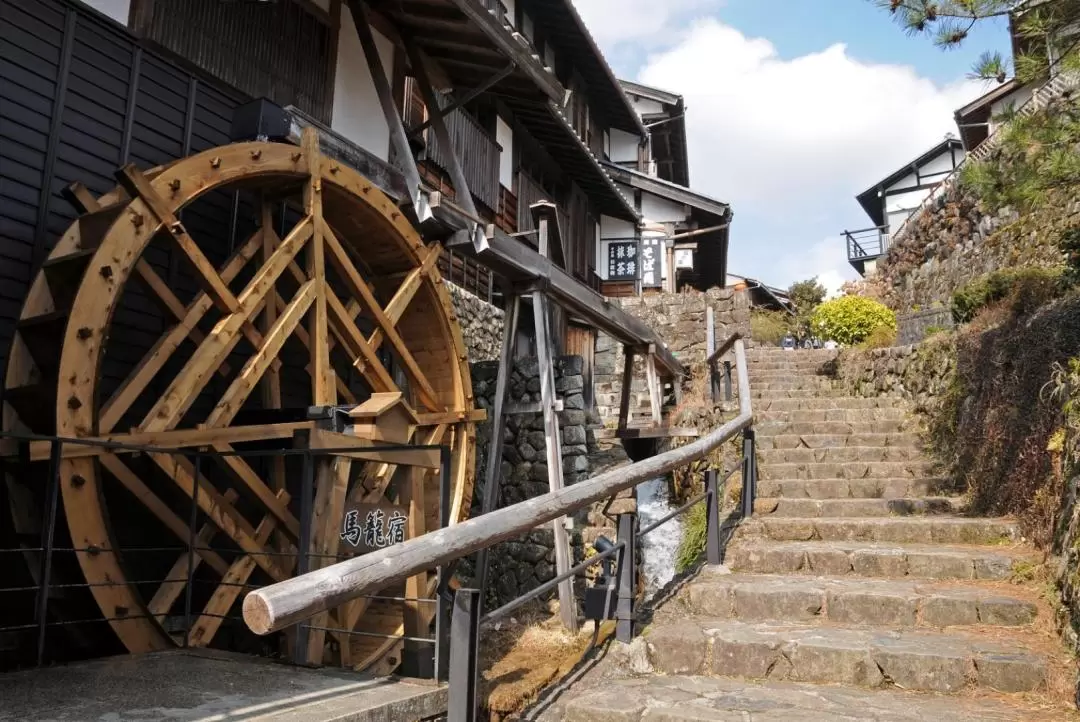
x,y
868,559
839,454
912,529
846,508
817,439
847,470
864,657
893,603
190,686
884,488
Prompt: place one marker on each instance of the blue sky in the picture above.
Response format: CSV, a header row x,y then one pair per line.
x,y
793,107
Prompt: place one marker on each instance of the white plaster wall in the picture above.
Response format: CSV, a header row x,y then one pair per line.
x,y
610,228
1016,98
504,136
511,11
118,10
906,182
645,106
936,167
623,146
357,113
661,210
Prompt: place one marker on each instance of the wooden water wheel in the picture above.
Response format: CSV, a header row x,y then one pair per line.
x,y
331,299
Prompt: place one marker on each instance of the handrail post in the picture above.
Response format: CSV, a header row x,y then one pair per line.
x,y
56,455
748,471
443,598
302,439
464,657
627,575
727,381
712,518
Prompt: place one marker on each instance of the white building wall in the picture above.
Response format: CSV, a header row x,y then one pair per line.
x,y
357,113
504,136
511,11
118,10
610,229
1016,98
646,106
660,210
623,146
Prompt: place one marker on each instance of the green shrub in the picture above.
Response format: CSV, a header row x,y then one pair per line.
x,y
692,545
880,337
769,326
849,320
1027,288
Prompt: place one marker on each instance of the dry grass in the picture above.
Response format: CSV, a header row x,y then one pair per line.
x,y
527,654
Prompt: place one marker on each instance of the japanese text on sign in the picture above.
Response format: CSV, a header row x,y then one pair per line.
x,y
622,261
373,528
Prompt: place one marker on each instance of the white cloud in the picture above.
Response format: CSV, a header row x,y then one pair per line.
x,y
792,140
652,22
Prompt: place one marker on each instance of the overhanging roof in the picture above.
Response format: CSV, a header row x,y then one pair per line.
x,y
561,22
868,199
973,119
668,132
668,190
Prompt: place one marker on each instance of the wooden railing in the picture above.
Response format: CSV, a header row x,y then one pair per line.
x,y
529,192
476,150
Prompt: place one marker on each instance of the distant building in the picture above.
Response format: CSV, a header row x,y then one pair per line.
x,y
892,200
761,295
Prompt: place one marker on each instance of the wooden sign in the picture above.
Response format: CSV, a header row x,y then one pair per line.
x,y
368,527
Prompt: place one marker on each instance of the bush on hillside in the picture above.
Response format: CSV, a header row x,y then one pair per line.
x,y
850,320
880,337
769,327
1025,289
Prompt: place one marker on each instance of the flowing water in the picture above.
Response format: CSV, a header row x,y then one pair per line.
x,y
660,546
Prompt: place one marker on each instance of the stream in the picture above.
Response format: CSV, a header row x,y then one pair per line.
x,y
660,546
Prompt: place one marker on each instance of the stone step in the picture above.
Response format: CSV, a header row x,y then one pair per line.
x,y
771,394
830,402
901,530
848,508
768,353
846,470
912,660
866,559
907,488
791,383
822,367
826,415
897,604
840,454
770,429
836,440
697,699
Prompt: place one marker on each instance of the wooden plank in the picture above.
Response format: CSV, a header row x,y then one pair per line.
x,y
279,605
138,186
271,385
451,417
186,386
653,381
328,510
416,585
169,591
153,503
178,439
232,401
553,444
359,287
323,391
649,432
126,394
254,483
627,386
232,585
405,293
322,439
364,357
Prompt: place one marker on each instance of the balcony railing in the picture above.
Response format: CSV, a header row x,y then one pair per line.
x,y
477,151
866,244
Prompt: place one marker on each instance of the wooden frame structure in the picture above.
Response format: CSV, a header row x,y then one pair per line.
x,y
227,355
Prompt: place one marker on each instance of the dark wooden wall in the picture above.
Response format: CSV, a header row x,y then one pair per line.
x,y
79,97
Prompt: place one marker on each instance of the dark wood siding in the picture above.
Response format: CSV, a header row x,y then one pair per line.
x,y
282,50
80,96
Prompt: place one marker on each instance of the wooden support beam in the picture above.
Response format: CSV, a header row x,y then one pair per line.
x,y
332,483
402,150
530,407
465,99
322,439
323,391
627,386
363,355
406,292
653,381
462,194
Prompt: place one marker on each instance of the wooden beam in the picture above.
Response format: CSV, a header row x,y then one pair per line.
x,y
179,439
323,391
653,381
451,417
627,386
187,384
364,357
322,439
328,510
405,293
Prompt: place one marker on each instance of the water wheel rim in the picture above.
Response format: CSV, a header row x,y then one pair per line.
x,y
77,411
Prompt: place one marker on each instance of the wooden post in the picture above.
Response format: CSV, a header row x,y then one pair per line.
x,y
567,604
653,380
463,195
669,251
553,445
402,149
627,386
498,430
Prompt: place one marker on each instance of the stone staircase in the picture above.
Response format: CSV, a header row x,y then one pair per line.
x,y
860,590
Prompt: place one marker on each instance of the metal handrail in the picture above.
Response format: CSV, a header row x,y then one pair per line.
x,y
279,605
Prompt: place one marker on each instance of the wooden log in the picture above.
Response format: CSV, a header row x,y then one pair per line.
x,y
279,605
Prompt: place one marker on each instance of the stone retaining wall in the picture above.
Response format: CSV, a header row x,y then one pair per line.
x,y
481,324
679,319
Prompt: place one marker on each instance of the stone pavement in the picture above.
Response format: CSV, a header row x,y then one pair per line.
x,y
860,589
205,686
